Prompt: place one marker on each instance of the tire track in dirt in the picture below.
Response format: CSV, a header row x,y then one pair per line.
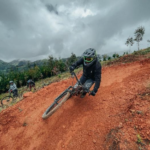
x,y
79,123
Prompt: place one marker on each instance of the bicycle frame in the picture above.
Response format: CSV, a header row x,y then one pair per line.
x,y
72,90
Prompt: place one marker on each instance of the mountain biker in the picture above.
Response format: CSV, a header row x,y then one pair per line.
x,y
91,71
30,84
13,88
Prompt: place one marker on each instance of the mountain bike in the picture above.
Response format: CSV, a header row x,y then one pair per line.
x,y
64,96
8,100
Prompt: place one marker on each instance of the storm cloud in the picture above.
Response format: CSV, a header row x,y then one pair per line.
x,y
36,29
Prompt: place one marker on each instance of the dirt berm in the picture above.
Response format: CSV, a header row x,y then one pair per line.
x,y
117,118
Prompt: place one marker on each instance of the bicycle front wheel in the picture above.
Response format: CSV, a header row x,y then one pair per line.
x,y
7,101
56,104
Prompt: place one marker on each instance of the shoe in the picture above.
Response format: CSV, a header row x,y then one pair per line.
x,y
83,95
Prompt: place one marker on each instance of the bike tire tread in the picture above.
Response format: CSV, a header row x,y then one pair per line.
x,y
45,116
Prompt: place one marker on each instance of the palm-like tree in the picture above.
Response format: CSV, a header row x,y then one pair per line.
x,y
139,32
129,41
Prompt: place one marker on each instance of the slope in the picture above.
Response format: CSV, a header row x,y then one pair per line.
x,y
93,123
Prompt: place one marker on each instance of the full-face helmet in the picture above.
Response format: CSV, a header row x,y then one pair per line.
x,y
11,82
89,56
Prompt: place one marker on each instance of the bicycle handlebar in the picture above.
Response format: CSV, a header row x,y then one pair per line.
x,y
73,73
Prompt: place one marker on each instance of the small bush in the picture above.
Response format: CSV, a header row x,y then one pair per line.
x,y
139,139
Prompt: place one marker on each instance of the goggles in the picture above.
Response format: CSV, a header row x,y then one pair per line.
x,y
88,59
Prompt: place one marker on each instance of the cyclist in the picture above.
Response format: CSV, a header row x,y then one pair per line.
x,y
13,88
30,84
91,71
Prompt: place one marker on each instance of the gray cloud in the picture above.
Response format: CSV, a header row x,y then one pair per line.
x,y
51,8
39,28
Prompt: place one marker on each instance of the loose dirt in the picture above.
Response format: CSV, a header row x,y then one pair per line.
x,y
117,118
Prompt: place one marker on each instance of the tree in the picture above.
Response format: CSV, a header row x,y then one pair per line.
x,y
51,63
109,58
139,32
71,59
104,57
117,55
129,41
114,55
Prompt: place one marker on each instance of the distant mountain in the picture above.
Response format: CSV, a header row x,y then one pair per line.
x,y
20,65
14,62
4,66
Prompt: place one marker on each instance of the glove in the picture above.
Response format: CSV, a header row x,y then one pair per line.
x,y
92,93
71,68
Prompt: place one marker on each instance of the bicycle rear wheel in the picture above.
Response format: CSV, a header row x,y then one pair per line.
x,y
56,104
7,101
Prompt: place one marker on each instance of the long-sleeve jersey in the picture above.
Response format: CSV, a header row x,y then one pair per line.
x,y
12,87
30,82
93,72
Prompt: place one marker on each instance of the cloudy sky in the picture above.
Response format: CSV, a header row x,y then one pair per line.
x,y
35,29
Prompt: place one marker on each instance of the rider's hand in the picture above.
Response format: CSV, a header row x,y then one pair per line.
x,y
92,93
71,68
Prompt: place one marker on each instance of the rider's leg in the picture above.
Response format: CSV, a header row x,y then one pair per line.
x,y
34,87
15,92
82,80
87,86
30,87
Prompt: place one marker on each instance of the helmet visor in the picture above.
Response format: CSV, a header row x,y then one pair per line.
x,y
88,59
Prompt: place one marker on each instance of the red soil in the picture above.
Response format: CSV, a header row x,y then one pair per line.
x,y
111,120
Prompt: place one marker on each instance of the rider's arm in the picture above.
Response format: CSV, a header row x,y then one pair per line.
x,y
10,89
77,63
97,76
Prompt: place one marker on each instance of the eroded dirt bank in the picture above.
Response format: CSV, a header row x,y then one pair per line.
x,y
111,120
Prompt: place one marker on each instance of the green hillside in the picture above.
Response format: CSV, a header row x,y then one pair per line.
x,y
19,65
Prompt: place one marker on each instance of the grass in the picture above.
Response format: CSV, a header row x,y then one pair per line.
x,y
139,139
128,58
142,52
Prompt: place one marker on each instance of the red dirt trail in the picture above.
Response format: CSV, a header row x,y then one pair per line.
x,y
106,121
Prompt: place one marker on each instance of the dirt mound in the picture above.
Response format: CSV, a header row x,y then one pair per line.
x,y
28,94
117,118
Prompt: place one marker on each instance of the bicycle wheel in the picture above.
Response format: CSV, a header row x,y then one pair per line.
x,y
56,104
7,101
